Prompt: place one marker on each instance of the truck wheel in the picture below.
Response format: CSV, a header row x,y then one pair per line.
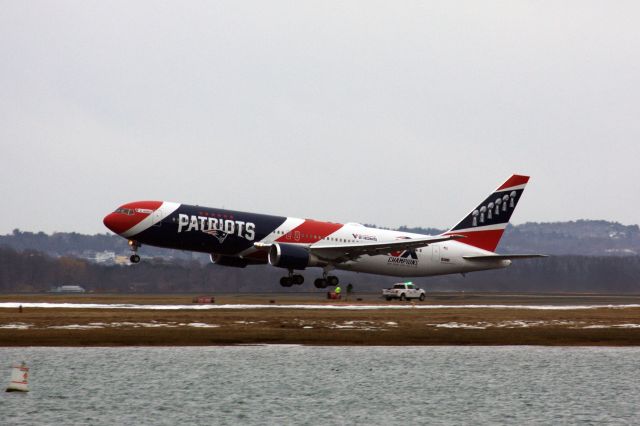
x,y
422,297
403,297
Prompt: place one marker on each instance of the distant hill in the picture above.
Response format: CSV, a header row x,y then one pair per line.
x,y
32,271
588,255
84,246
581,237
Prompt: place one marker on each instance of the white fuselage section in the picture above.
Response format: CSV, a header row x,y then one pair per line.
x,y
434,259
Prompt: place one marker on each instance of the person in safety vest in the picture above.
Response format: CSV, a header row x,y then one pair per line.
x,y
338,290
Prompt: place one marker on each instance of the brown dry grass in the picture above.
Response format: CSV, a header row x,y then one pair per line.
x,y
254,326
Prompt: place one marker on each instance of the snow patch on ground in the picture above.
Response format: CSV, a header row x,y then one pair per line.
x,y
355,325
202,325
481,325
124,324
458,325
17,326
613,326
75,327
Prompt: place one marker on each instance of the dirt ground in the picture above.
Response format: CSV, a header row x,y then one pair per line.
x,y
451,323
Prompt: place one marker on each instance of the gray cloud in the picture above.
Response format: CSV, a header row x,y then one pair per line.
x,y
367,111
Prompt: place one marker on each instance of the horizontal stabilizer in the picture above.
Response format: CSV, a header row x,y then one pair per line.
x,y
504,257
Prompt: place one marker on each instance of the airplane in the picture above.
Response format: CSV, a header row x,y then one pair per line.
x,y
239,239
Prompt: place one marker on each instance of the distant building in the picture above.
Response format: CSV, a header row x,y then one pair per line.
x,y
105,257
68,289
122,260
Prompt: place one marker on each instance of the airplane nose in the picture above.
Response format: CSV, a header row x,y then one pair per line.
x,y
129,215
118,223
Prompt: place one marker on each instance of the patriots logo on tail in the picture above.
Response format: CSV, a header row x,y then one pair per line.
x,y
220,235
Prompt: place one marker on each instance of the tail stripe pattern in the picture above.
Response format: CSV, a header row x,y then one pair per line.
x,y
483,226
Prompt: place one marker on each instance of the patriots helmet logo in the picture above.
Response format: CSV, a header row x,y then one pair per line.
x,y
220,235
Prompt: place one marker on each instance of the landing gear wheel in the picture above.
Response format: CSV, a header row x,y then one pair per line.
x,y
320,283
332,280
422,297
298,279
286,282
134,246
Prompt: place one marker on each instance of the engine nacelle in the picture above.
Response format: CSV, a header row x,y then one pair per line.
x,y
290,256
232,261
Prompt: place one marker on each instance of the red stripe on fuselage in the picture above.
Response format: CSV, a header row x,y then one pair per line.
x,y
486,240
309,232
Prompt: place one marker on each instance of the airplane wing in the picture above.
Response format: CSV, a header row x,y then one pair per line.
x,y
346,252
504,257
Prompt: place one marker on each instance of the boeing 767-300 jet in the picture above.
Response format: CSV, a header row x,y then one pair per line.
x,y
239,239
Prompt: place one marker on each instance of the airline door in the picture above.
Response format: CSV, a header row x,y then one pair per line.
x,y
440,254
435,253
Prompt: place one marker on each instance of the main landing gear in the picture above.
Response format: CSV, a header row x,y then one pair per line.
x,y
326,280
134,246
292,279
297,279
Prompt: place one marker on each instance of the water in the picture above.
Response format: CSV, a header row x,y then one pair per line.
x,y
324,385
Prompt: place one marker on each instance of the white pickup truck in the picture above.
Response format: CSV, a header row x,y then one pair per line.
x,y
403,291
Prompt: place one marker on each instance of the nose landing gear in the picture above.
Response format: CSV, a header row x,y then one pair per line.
x,y
134,246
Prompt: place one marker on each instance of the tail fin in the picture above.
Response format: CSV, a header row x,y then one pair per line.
x,y
483,227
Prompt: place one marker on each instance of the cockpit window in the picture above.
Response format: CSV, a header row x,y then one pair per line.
x,y
128,212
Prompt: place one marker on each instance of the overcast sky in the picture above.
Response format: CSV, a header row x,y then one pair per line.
x,y
393,113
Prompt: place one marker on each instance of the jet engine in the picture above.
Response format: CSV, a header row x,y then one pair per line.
x,y
290,256
235,262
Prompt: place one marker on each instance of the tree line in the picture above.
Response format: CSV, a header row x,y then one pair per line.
x,y
582,237
33,271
